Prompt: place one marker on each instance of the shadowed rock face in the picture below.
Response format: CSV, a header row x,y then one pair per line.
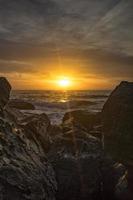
x,y
82,170
83,119
117,119
5,89
36,128
25,172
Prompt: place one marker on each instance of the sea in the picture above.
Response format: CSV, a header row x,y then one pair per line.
x,y
56,103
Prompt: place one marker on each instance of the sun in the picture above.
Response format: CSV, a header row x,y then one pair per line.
x,y
64,82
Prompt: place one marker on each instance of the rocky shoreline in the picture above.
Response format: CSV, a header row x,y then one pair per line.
x,y
86,157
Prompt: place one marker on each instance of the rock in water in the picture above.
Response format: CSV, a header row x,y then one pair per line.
x,y
5,89
117,119
21,105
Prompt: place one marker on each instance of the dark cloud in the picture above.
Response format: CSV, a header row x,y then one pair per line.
x,y
85,23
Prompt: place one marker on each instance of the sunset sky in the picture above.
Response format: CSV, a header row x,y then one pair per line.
x,y
88,41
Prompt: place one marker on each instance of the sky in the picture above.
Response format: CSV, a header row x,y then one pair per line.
x,y
88,41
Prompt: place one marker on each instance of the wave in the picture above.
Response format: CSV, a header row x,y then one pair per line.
x,y
55,103
65,105
90,96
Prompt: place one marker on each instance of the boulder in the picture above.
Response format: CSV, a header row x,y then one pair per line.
x,y
5,89
36,128
21,105
83,119
25,172
82,170
13,115
117,120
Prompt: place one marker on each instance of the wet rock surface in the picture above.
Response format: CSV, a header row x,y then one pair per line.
x,y
117,119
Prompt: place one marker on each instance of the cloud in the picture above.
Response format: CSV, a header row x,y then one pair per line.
x,y
92,37
105,24
39,60
14,66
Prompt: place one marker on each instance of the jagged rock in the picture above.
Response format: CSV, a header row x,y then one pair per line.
x,y
54,131
82,170
117,119
21,105
82,119
5,89
13,115
36,127
25,172
122,190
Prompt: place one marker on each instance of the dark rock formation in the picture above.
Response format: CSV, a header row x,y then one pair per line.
x,y
36,128
21,105
82,119
13,115
5,89
25,172
117,119
82,170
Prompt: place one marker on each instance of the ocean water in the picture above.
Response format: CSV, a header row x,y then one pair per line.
x,y
56,103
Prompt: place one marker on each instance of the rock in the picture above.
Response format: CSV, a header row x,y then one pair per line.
x,y
21,105
13,115
5,89
36,127
117,120
54,131
77,173
122,190
82,119
82,170
25,172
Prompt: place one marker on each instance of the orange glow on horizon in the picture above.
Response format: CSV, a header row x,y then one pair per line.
x,y
55,78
